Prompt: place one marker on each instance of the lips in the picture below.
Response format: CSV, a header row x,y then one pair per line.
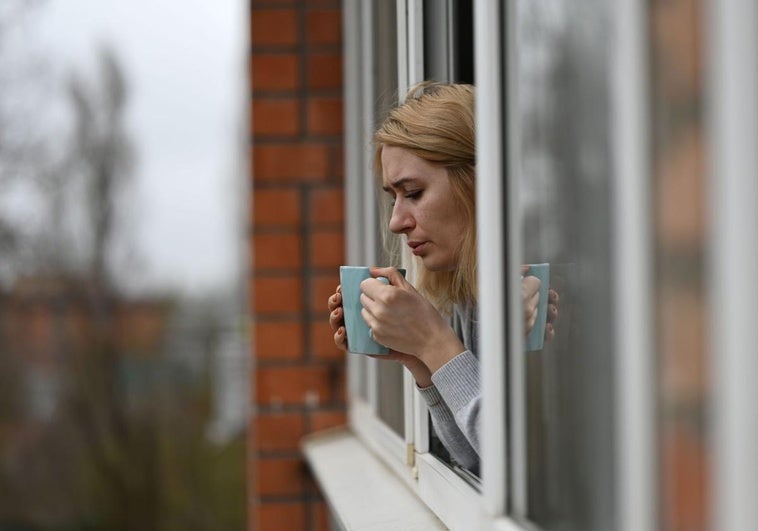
x,y
417,247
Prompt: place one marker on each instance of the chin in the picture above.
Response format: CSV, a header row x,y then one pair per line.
x,y
437,266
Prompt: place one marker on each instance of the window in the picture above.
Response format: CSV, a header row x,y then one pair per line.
x,y
400,44
571,437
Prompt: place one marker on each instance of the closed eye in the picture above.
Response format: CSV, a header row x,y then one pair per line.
x,y
413,195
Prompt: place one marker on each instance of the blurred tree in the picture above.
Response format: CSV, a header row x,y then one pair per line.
x,y
117,440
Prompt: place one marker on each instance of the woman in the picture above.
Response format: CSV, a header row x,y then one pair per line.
x,y
425,157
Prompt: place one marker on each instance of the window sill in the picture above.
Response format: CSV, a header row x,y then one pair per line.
x,y
362,492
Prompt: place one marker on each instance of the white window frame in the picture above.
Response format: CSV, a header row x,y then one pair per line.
x,y
733,259
636,461
447,494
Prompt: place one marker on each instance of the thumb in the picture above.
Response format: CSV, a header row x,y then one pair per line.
x,y
395,277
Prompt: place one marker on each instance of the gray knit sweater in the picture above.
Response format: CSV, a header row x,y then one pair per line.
x,y
454,397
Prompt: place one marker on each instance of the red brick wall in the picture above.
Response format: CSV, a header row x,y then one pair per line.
x,y
296,239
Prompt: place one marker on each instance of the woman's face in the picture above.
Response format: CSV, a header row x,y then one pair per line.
x,y
424,208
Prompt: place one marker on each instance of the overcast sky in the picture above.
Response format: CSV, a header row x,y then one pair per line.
x,y
185,62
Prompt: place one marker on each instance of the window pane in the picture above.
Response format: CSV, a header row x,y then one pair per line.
x,y
563,146
389,374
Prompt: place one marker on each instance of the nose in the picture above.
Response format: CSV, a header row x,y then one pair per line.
x,y
401,220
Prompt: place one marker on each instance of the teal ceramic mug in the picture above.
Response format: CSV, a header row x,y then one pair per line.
x,y
536,338
359,339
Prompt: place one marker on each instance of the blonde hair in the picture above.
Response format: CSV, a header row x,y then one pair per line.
x,y
436,123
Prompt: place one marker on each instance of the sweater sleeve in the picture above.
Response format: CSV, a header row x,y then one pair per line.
x,y
453,403
458,383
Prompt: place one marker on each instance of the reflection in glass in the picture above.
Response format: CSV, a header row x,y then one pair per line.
x,y
563,146
680,187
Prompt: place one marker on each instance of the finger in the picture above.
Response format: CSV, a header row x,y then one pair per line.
x,y
552,296
368,304
552,313
524,270
336,319
530,285
373,288
334,302
340,338
371,322
391,273
549,332
531,304
529,323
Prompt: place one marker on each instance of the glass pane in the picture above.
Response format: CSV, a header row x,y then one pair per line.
x,y
563,86
389,374
123,359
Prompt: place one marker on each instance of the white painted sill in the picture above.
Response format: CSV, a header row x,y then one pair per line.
x,y
363,493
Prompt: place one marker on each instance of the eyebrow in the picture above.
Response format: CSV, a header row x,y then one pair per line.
x,y
398,183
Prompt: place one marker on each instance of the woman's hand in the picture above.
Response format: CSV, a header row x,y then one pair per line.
x,y
418,370
530,295
403,320
530,292
337,319
552,314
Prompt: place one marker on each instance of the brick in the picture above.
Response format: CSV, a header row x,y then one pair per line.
x,y
339,166
290,162
321,420
284,516
324,26
325,71
338,381
322,341
323,3
277,295
274,117
278,340
276,208
274,27
322,287
325,116
279,431
320,513
276,72
299,385
277,251
327,248
326,206
274,515
277,476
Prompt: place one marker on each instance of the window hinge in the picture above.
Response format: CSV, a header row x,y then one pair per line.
x,y
410,454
